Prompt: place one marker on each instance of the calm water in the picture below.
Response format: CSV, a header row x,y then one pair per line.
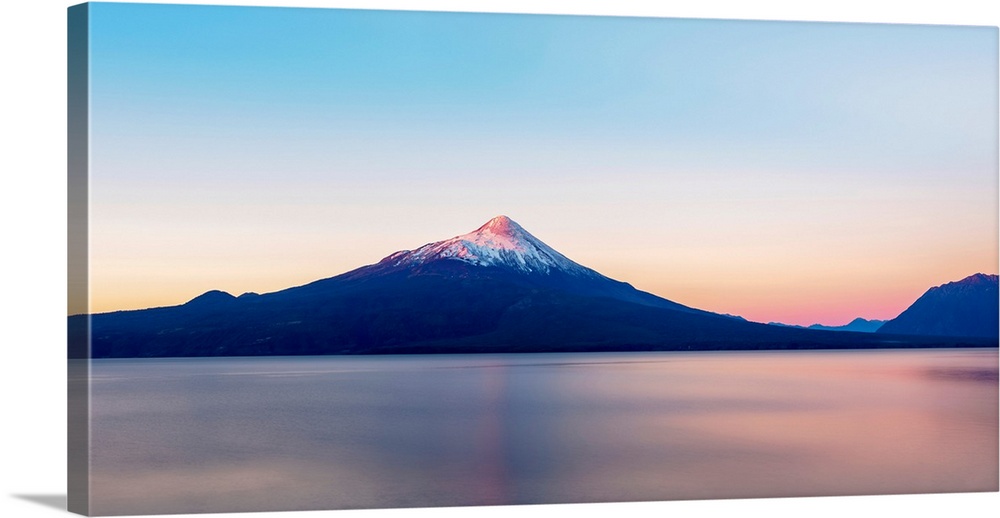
x,y
213,435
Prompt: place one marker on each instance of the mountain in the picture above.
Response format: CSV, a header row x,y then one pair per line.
x,y
859,325
496,289
965,308
502,249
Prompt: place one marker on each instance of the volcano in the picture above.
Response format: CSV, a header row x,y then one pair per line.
x,y
502,250
496,289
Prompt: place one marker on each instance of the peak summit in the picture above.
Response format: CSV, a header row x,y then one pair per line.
x,y
500,242
500,225
501,233
978,278
974,281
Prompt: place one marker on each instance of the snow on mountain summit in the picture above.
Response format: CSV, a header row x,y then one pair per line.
x,y
499,242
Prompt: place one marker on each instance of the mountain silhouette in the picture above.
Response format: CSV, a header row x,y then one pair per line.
x,y
496,289
859,325
502,250
968,307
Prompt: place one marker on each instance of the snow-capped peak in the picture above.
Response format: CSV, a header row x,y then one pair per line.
x,y
499,242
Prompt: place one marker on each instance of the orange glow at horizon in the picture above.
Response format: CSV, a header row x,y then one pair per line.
x,y
826,292
759,291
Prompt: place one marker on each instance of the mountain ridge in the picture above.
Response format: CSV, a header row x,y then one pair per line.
x,y
502,248
966,307
859,324
496,289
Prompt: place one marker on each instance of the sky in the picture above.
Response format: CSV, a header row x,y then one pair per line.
x,y
782,171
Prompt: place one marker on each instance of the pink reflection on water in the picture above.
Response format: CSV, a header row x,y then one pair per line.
x,y
778,424
204,435
490,433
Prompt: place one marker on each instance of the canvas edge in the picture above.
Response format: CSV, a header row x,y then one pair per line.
x,y
78,336
78,288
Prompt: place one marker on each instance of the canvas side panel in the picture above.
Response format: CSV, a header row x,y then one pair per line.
x,y
78,329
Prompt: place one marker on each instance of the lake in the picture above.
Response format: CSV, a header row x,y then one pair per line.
x,y
336,432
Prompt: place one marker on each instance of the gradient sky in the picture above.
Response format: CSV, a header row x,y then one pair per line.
x,y
794,172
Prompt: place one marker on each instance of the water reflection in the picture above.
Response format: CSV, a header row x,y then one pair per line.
x,y
963,374
215,435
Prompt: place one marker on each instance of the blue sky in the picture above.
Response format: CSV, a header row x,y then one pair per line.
x,y
796,171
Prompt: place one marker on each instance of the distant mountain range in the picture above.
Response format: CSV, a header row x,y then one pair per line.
x,y
497,289
858,325
965,308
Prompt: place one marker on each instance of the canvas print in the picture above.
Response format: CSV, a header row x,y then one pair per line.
x,y
339,259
